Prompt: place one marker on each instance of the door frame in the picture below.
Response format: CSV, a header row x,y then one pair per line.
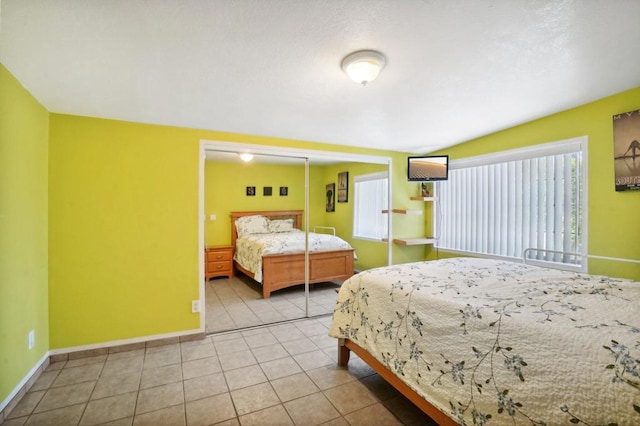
x,y
280,151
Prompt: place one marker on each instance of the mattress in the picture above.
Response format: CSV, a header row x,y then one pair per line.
x,y
496,342
250,248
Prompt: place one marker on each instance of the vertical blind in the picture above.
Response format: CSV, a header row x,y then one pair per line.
x,y
532,200
370,199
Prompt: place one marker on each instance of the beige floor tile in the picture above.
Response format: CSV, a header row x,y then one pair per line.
x,y
272,416
204,386
311,410
161,376
245,376
45,380
55,366
312,360
115,385
281,367
350,397
254,398
262,339
160,359
340,421
231,361
324,341
292,387
230,422
210,410
330,376
172,344
313,329
201,367
61,416
286,333
18,421
372,415
197,351
84,373
108,409
299,346
114,367
65,396
26,405
231,346
270,352
126,354
127,421
171,416
98,359
159,397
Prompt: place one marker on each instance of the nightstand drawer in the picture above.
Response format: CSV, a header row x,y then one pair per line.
x,y
218,255
213,267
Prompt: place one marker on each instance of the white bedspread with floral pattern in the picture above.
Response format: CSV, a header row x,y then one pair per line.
x,y
251,248
494,342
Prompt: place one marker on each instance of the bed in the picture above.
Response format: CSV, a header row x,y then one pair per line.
x,y
480,341
279,262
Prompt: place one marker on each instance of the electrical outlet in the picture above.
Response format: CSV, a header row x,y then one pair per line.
x,y
212,217
31,339
195,306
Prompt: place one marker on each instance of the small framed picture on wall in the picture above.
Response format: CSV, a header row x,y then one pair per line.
x,y
331,197
251,191
284,191
343,187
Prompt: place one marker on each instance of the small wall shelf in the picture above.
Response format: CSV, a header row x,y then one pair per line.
x,y
414,241
403,211
422,198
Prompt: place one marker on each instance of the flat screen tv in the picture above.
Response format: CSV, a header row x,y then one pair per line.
x,y
428,168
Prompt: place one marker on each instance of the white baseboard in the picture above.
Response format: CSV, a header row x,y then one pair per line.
x,y
24,381
114,343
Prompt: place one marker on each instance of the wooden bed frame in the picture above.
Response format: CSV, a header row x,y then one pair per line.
x,y
285,270
346,346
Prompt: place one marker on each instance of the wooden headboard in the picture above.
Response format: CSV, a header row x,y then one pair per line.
x,y
296,215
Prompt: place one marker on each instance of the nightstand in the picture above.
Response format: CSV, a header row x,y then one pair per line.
x,y
218,261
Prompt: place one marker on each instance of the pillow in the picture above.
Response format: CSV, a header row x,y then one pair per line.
x,y
281,225
248,225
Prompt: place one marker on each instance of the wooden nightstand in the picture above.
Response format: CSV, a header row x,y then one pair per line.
x,y
218,261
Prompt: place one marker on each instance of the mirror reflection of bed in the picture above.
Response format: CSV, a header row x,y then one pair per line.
x,y
239,302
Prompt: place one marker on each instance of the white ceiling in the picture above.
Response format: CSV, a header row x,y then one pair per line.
x,y
456,69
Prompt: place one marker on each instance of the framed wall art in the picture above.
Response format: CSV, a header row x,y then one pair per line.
x,y
626,150
343,187
331,197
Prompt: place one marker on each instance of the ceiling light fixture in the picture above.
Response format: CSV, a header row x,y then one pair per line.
x,y
363,66
246,157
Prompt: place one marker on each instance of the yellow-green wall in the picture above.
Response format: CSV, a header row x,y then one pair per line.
x,y
123,225
225,191
24,126
613,228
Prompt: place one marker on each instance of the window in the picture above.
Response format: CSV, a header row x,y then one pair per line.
x,y
370,199
503,203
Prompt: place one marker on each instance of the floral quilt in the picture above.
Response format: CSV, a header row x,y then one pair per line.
x,y
496,342
251,248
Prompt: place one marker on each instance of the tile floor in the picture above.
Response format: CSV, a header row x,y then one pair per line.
x,y
283,374
235,303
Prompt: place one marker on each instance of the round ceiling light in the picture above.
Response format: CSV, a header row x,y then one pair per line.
x,y
363,66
